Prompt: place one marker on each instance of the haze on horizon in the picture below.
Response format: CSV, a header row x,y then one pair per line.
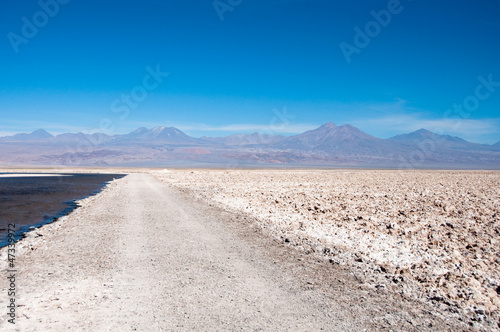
x,y
224,67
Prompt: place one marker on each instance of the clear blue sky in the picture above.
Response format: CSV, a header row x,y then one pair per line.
x,y
237,67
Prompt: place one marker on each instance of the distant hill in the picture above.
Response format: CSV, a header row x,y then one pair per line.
x,y
325,146
158,134
422,135
39,134
334,139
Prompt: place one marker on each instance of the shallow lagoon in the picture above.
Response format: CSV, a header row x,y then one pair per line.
x,y
32,200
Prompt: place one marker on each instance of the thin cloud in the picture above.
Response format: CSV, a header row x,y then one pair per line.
x,y
7,133
11,127
270,128
56,129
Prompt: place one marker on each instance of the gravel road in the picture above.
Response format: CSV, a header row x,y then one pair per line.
x,y
143,256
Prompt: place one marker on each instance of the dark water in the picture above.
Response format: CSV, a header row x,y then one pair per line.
x,y
35,201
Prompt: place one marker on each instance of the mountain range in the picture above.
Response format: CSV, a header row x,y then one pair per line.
x,y
326,146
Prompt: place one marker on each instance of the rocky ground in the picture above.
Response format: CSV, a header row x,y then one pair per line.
x,y
433,236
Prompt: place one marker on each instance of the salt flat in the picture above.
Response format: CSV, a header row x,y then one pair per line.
x,y
143,255
433,236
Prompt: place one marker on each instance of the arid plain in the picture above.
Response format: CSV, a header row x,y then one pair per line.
x,y
432,236
256,249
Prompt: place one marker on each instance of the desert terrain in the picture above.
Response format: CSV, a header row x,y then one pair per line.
x,y
432,236
266,250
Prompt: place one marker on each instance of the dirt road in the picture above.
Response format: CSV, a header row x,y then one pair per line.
x,y
144,256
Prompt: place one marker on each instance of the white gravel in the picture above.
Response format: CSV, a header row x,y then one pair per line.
x,y
434,234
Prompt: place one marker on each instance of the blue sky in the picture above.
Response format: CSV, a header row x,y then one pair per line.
x,y
230,66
